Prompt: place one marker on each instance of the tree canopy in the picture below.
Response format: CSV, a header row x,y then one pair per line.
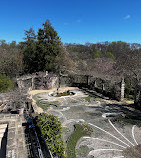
x,y
40,51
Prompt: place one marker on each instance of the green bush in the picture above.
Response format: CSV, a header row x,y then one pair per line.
x,y
109,55
52,131
128,89
5,83
97,54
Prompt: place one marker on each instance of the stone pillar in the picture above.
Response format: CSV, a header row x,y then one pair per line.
x,y
32,84
95,85
46,73
103,87
122,89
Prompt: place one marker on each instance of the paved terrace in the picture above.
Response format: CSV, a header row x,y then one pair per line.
x,y
12,137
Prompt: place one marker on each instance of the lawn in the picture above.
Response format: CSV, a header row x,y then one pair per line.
x,y
88,99
44,103
80,131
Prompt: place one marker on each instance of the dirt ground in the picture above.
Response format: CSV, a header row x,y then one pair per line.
x,y
33,92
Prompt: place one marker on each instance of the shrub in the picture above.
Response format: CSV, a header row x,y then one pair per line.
x,y
5,83
128,88
97,54
109,55
52,131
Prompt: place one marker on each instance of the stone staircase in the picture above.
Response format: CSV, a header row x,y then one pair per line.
x,y
3,139
2,131
13,146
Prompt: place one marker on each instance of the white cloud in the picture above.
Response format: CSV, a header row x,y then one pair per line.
x,y
127,17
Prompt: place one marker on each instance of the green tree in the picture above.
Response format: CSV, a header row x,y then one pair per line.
x,y
97,54
41,50
11,59
48,47
29,51
109,55
5,83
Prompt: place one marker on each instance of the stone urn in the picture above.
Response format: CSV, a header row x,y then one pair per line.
x,y
21,110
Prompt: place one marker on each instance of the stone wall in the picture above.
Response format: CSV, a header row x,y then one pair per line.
x,y
47,81
38,80
106,87
137,101
112,90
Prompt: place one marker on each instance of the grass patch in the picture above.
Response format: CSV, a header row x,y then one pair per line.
x,y
44,103
99,99
44,106
80,131
82,150
35,97
88,99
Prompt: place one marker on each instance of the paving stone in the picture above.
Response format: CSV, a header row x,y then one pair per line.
x,y
11,135
132,152
12,124
20,144
15,137
11,153
10,147
22,155
11,142
1,116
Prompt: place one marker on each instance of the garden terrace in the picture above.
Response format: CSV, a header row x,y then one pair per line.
x,y
115,125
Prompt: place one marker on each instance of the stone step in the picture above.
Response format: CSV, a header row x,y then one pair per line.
x,y
1,135
3,126
0,142
2,130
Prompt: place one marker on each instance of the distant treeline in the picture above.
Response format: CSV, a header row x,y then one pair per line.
x,y
103,49
107,58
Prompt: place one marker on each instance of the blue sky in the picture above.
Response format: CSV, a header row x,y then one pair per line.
x,y
76,21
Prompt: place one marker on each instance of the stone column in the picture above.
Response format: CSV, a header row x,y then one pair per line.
x,y
103,87
32,83
122,89
95,85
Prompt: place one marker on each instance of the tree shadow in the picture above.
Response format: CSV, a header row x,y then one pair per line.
x,y
92,93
